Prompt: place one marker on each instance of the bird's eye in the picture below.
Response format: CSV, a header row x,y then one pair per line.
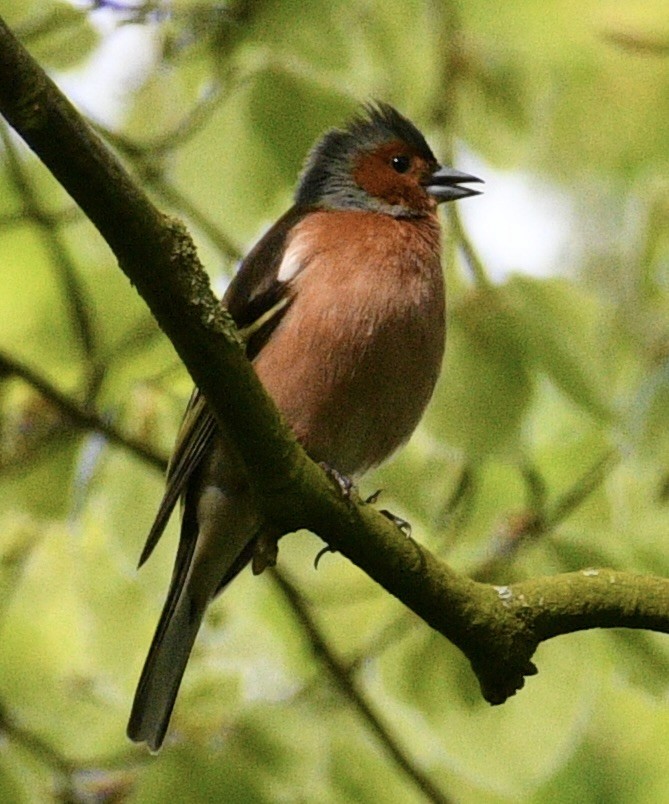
x,y
400,163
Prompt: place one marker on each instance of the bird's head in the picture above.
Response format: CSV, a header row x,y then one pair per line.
x,y
380,162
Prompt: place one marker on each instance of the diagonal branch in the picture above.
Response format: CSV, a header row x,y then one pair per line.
x,y
82,417
339,674
351,690
498,628
74,295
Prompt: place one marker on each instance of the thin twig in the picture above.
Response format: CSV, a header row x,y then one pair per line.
x,y
474,262
177,200
80,416
149,167
351,690
533,523
74,293
568,502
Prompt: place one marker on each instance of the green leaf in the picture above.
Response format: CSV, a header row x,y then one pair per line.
x,y
429,688
609,765
67,47
556,325
485,387
276,119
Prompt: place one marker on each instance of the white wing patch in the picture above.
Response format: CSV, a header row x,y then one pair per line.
x,y
294,258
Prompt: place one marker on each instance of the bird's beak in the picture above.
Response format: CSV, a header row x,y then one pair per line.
x,y
444,184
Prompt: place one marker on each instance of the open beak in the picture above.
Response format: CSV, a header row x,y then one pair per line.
x,y
444,184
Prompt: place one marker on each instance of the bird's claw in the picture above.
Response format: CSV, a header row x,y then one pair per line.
x,y
320,555
265,553
400,523
345,484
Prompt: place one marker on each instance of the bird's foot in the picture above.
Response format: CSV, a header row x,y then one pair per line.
x,y
320,555
400,523
347,487
345,484
265,553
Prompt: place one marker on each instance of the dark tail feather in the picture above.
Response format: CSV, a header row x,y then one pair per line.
x,y
163,671
170,648
177,629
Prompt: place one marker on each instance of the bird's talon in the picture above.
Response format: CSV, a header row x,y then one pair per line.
x,y
373,497
264,554
320,555
345,484
400,523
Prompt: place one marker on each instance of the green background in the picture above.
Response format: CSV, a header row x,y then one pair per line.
x,y
545,449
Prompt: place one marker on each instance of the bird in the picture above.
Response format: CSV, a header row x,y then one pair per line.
x,y
342,307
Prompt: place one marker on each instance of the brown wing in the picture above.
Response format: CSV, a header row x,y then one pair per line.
x,y
195,434
255,289
257,301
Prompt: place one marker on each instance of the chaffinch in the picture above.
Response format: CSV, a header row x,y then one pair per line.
x,y
342,301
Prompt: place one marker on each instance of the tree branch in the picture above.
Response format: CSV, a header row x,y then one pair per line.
x,y
74,295
498,628
350,689
79,415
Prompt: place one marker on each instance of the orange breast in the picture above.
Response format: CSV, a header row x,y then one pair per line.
x,y
354,361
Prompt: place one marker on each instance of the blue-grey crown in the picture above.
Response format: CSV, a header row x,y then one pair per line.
x,y
327,176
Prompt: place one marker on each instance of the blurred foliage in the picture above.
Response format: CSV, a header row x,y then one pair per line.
x,y
546,447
